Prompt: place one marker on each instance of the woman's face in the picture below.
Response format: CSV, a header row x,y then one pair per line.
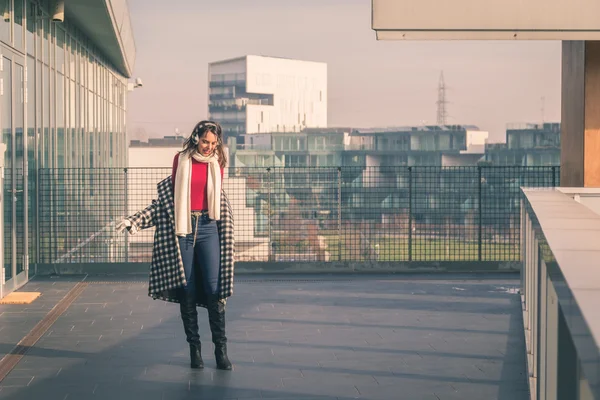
x,y
208,144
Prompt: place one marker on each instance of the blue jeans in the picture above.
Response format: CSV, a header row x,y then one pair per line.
x,y
204,255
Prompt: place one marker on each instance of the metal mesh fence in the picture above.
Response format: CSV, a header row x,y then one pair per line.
x,y
303,214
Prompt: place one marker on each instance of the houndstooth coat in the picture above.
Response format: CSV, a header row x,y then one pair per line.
x,y
166,272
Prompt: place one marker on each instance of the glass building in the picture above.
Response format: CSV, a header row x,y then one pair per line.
x,y
528,145
63,86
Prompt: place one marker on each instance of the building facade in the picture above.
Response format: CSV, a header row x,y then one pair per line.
x,y
372,162
257,94
63,105
527,145
346,147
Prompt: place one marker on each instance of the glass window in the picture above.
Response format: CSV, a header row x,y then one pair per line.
x,y
90,107
6,121
46,40
5,21
60,49
19,36
46,118
72,104
31,36
513,141
19,160
72,56
444,142
6,111
31,97
81,104
527,141
90,72
31,157
38,108
91,151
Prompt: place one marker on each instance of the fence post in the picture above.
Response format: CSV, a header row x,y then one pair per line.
x,y
339,213
553,177
126,212
479,206
410,206
269,181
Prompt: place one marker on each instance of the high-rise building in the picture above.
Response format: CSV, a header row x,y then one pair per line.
x,y
257,94
64,72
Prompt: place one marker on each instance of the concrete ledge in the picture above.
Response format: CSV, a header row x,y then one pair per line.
x,y
295,267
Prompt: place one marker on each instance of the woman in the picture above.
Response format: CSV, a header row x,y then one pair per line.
x,y
192,256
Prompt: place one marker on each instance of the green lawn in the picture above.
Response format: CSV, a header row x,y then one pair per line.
x,y
425,249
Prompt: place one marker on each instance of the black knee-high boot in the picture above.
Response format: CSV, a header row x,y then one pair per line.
x,y
216,319
189,316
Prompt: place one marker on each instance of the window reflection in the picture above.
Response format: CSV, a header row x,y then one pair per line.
x,y
59,49
60,121
45,162
31,158
31,25
18,27
6,121
5,21
45,38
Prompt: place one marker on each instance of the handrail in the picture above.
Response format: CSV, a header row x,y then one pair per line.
x,y
560,290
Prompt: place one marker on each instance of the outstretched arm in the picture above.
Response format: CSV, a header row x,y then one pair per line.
x,y
140,220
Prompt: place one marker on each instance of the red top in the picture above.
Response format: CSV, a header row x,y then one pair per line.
x,y
198,196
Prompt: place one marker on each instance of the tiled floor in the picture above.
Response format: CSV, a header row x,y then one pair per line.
x,y
302,337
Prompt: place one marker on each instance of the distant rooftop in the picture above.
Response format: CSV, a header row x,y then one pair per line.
x,y
548,126
420,128
167,141
261,55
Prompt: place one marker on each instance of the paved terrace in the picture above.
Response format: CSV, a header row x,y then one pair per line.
x,y
310,337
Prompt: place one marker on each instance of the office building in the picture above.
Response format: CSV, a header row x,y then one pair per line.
x,y
257,94
64,89
527,145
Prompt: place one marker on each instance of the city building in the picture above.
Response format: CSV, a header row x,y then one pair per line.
x,y
257,94
347,147
527,145
370,159
64,78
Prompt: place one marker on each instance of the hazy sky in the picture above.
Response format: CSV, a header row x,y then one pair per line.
x,y
371,83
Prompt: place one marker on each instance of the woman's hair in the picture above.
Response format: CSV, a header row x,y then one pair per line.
x,y
191,143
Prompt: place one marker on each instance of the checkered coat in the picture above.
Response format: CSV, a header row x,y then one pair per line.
x,y
166,272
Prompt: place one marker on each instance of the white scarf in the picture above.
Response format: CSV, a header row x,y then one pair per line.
x,y
183,218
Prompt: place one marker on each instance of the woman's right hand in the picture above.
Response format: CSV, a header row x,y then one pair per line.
x,y
125,224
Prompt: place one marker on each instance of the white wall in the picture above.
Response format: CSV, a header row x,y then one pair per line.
x,y
152,156
300,94
299,90
141,184
476,138
372,177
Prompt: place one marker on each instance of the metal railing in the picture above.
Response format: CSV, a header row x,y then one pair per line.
x,y
347,214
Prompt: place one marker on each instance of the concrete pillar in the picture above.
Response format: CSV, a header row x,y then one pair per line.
x,y
580,120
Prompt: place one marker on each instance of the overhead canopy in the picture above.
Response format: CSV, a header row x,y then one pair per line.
x,y
107,24
486,20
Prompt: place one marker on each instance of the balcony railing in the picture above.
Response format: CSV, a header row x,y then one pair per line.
x,y
328,215
560,292
241,83
254,146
